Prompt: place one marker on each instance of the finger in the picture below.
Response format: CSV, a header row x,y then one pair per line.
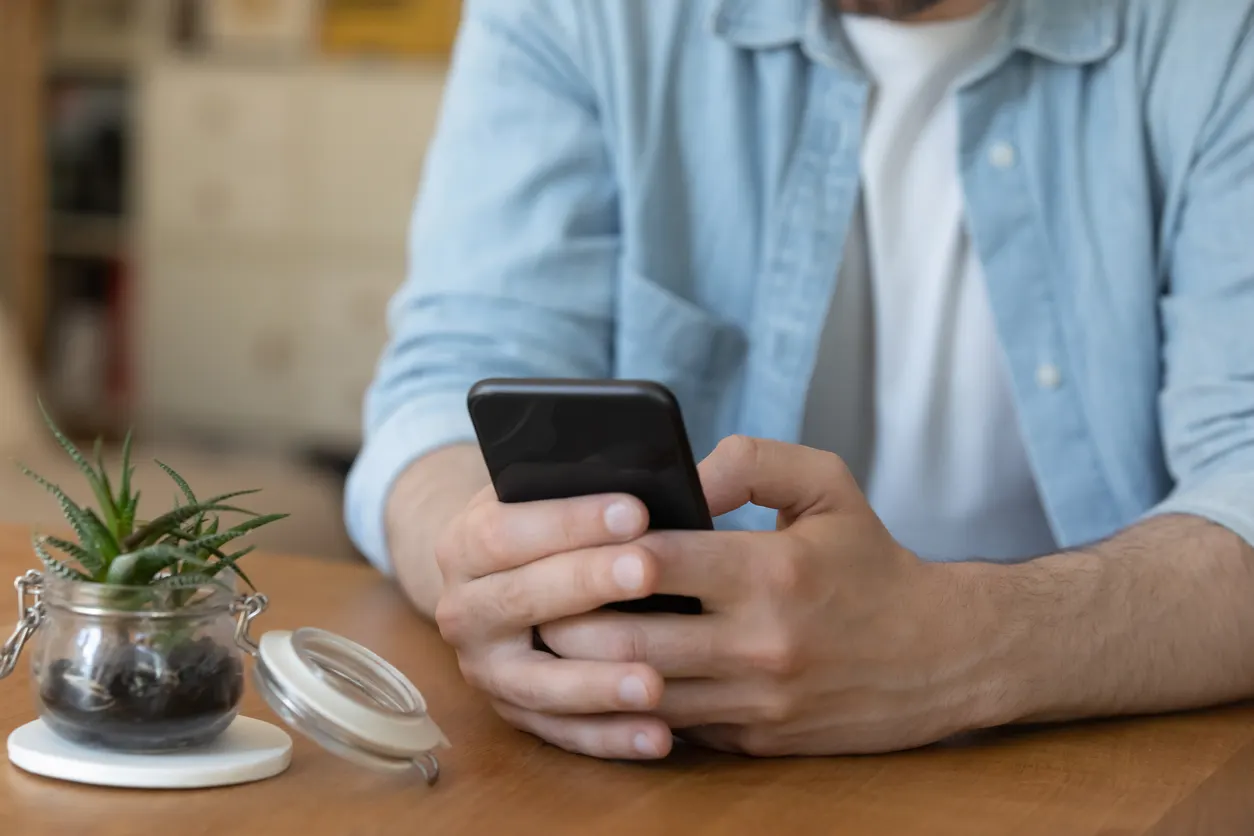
x,y
616,736
546,590
688,703
786,477
500,536
718,567
675,646
485,495
539,682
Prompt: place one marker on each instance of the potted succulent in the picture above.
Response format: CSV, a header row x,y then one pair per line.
x,y
135,619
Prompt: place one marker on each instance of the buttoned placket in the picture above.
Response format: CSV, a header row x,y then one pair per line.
x,y
1015,254
806,245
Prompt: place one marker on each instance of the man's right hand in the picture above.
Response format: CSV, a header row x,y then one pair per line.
x,y
509,568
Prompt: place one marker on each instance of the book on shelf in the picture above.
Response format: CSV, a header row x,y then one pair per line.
x,y
86,374
88,132
389,28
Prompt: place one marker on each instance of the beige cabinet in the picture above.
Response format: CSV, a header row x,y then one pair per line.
x,y
218,152
274,203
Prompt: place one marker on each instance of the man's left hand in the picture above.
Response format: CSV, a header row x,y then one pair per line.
x,y
823,637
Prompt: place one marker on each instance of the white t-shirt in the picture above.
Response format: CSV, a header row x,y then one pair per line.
x,y
911,386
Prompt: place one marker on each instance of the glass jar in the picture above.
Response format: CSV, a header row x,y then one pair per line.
x,y
153,670
137,669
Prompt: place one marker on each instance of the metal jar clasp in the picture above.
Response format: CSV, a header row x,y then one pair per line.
x,y
245,608
29,617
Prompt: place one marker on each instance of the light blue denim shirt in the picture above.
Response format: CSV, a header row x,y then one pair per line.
x,y
662,190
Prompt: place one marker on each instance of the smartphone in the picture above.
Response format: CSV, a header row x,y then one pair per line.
x,y
557,439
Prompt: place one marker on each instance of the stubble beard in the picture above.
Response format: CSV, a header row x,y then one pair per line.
x,y
892,9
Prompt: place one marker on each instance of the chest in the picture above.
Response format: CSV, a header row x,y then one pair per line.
x,y
738,198
755,164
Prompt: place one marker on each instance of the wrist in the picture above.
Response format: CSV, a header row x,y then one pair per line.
x,y
430,492
988,636
1022,616
424,499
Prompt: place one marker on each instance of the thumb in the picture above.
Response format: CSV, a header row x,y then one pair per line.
x,y
794,480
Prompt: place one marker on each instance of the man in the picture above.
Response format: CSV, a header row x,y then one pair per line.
x,y
968,286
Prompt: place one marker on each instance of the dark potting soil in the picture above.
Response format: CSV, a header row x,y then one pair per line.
x,y
131,698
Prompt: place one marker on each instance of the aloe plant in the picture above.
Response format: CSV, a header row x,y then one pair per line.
x,y
180,549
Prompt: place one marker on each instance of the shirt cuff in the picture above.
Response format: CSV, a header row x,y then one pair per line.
x,y
1226,500
420,427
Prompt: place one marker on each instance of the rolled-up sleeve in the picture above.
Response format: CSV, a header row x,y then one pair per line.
x,y
513,247
1207,402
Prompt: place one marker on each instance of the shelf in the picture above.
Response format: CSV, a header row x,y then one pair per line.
x,y
85,236
106,60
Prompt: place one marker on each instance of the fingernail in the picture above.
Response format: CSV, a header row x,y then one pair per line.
x,y
622,519
644,745
629,573
633,692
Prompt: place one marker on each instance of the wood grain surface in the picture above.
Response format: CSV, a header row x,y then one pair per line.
x,y
1169,776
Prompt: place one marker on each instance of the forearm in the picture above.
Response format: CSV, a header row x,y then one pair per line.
x,y
425,498
1160,618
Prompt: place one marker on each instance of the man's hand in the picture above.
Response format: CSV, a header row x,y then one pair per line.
x,y
823,637
507,568
826,636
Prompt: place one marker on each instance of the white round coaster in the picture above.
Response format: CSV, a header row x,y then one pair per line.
x,y
249,750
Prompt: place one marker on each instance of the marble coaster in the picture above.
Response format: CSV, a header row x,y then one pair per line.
x,y
249,750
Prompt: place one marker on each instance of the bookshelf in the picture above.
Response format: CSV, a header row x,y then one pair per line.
x,y
93,56
167,147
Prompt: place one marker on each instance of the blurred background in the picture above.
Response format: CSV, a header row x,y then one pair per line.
x,y
203,212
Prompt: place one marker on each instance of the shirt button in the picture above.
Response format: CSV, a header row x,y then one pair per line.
x,y
1048,376
1002,155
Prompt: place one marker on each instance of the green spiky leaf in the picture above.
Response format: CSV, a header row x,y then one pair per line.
x,y
178,550
131,510
89,560
178,480
141,566
224,561
127,504
170,522
113,505
212,528
217,541
188,580
74,515
103,496
54,566
121,569
231,562
179,535
107,543
185,488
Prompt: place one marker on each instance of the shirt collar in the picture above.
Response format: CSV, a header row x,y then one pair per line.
x,y
1063,31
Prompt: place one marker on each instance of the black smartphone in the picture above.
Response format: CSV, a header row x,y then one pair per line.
x,y
557,439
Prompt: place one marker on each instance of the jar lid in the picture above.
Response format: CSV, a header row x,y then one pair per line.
x,y
347,699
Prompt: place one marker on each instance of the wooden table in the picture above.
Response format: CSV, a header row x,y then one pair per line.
x,y
1191,774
